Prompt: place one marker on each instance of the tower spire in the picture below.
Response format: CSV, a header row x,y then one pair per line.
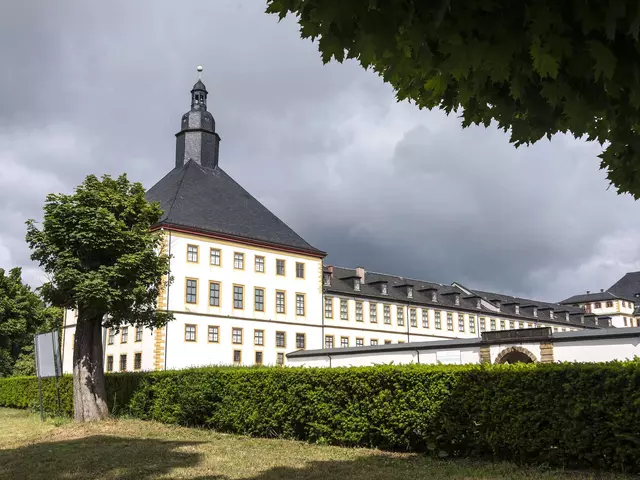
x,y
197,140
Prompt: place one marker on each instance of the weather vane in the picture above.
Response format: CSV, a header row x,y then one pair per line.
x,y
199,72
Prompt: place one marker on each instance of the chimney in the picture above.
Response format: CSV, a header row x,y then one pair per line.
x,y
601,290
360,273
588,292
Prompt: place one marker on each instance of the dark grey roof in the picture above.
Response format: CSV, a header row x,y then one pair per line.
x,y
209,200
628,286
369,288
199,86
592,297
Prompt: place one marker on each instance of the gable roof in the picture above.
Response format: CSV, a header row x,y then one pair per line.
x,y
628,286
592,297
208,200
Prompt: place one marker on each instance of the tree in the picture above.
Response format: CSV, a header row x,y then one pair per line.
x,y
104,262
22,314
535,67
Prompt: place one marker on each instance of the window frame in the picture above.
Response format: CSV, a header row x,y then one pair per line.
x,y
284,302
186,290
212,256
213,331
126,361
328,301
195,332
284,338
255,337
219,284
255,299
400,315
234,331
139,330
189,252
413,317
109,363
329,337
386,314
124,334
344,312
280,359
111,336
359,340
137,360
449,321
238,258
256,263
255,357
425,318
359,306
284,267
301,264
373,307
460,322
239,361
342,342
437,320
241,287
302,296
304,340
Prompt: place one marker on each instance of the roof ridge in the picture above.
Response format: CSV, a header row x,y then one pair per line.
x,y
393,275
173,201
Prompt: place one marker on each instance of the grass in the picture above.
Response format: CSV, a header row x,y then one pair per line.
x,y
132,449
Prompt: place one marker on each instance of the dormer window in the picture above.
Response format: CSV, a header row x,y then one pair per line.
x,y
456,299
434,296
582,319
356,284
478,303
535,311
566,316
517,309
551,314
383,289
409,292
327,279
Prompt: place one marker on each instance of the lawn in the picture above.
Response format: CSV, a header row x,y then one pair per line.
x,y
132,449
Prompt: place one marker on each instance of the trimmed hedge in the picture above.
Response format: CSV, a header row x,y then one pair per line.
x,y
571,415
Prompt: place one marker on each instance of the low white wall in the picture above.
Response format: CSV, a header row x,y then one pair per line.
x,y
600,350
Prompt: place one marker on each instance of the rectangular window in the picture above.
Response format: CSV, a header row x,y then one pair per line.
x,y
110,363
300,341
530,325
359,314
373,312
425,318
214,294
374,341
112,336
123,362
437,321
597,305
258,358
213,333
413,317
400,316
281,339
502,327
512,324
344,342
279,267
237,357
259,264
609,304
258,337
259,299
344,312
238,297
192,291
192,253
139,331
214,257
328,307
328,341
461,322
386,313
137,361
359,342
299,270
450,321
236,336
483,324
472,324
280,304
300,304
387,342
238,261
521,325
493,324
279,359
190,333
124,335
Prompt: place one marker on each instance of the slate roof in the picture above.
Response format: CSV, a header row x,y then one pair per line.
x,y
468,300
628,286
210,201
593,297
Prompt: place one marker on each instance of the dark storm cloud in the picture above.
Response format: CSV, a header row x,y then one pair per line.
x,y
99,88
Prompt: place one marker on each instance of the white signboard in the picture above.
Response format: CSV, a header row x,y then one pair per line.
x,y
449,357
48,355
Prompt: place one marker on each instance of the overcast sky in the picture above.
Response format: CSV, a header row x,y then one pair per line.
x,y
99,87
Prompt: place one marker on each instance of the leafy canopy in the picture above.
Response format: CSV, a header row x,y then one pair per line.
x,y
101,256
22,315
535,67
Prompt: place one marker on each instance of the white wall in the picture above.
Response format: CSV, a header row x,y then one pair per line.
x,y
600,350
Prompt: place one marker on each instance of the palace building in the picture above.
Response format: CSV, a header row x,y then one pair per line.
x,y
248,290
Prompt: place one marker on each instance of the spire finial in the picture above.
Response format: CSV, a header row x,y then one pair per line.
x,y
199,68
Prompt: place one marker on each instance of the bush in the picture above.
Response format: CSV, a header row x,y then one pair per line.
x,y
570,415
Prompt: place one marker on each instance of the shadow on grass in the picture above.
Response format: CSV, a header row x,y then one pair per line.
x,y
97,456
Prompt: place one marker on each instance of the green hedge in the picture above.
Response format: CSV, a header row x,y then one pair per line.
x,y
571,415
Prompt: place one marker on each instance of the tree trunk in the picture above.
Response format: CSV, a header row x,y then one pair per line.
x,y
89,392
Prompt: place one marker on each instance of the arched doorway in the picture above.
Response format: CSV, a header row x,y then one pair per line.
x,y
515,355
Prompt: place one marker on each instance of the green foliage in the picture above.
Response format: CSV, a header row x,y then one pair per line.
x,y
534,67
97,247
22,315
571,415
